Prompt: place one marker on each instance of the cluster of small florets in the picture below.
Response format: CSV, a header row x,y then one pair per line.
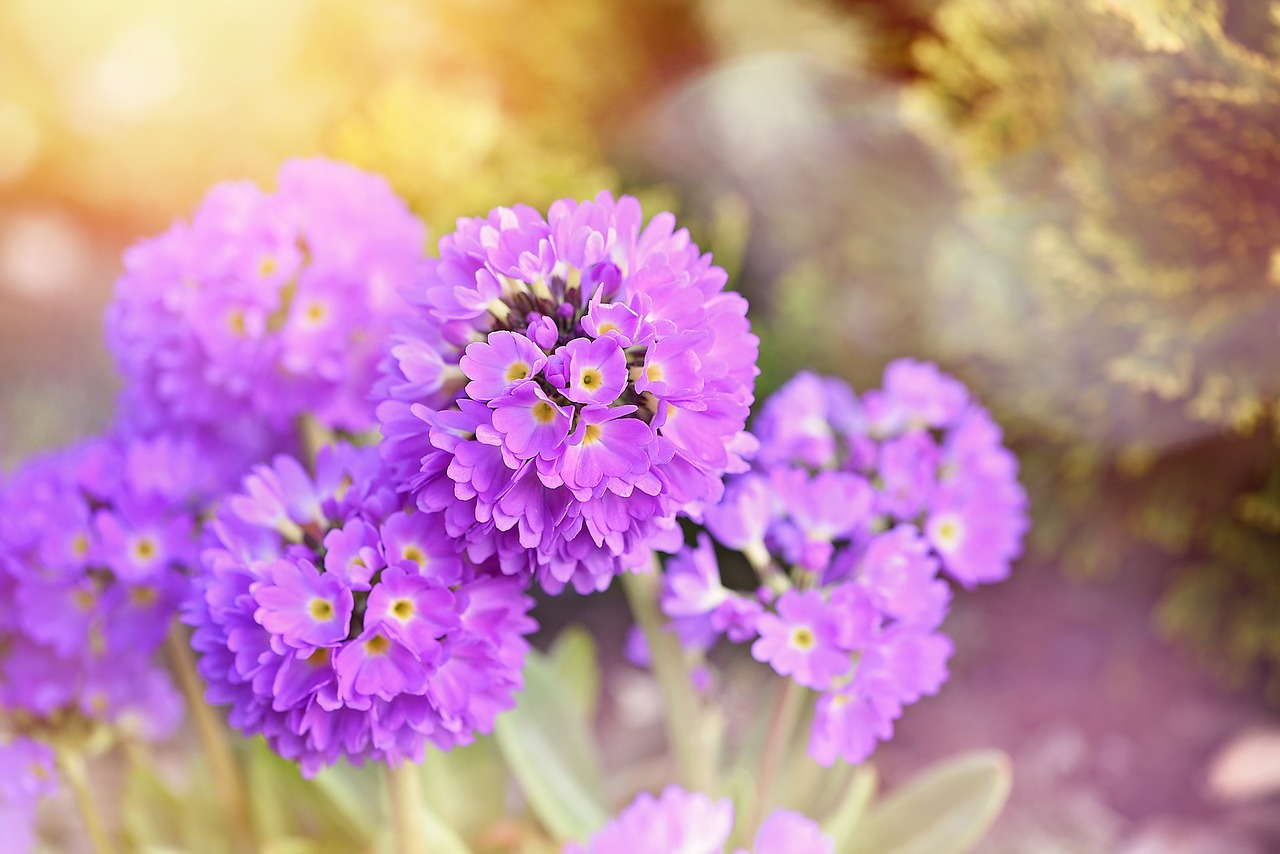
x,y
565,386
336,622
93,547
852,510
692,823
264,307
26,775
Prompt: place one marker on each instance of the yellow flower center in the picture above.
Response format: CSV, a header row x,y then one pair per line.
x,y
235,321
517,371
315,313
592,434
143,596
948,533
80,545
84,599
144,549
402,609
267,265
415,554
605,327
543,412
590,379
319,658
320,609
802,638
377,645
654,373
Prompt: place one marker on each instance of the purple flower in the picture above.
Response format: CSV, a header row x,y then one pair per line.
x,y
859,503
92,567
301,607
787,832
699,606
264,307
805,640
693,823
26,775
608,380
336,623
898,668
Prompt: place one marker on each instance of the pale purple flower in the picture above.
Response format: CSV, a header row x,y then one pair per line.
x,y
27,774
684,822
265,306
92,567
805,639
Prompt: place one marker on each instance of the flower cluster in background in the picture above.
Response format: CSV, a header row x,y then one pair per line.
x,y
264,307
94,545
693,823
337,623
566,385
851,512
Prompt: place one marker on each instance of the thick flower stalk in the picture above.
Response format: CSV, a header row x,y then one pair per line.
x,y
338,623
851,512
565,386
693,823
93,546
264,307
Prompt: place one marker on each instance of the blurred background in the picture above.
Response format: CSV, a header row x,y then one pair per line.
x,y
1075,207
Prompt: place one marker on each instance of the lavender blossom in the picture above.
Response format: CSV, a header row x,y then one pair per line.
x,y
264,307
26,775
852,510
565,386
337,623
92,568
693,823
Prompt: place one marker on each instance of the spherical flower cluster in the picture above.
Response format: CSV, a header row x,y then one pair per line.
x,y
93,549
26,775
264,307
335,622
692,823
866,502
565,386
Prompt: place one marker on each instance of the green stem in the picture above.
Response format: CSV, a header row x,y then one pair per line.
x,y
692,735
404,785
786,713
71,765
213,739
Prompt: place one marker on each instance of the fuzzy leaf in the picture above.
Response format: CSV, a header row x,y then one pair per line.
x,y
548,744
573,655
944,810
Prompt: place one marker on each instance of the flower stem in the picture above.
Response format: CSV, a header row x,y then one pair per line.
x,y
71,765
404,784
786,712
213,739
691,735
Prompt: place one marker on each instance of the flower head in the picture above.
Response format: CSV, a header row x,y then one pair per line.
x,y
852,509
93,557
337,623
263,307
565,385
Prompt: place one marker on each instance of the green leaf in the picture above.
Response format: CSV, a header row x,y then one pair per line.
x,y
465,784
945,810
573,655
841,822
548,744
